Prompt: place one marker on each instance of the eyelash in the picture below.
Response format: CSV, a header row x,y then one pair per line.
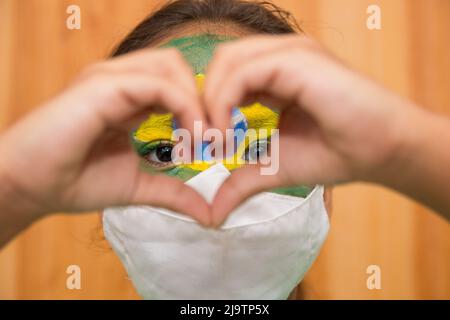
x,y
153,147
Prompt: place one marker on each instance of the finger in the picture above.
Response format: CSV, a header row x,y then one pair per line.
x,y
111,101
171,193
271,75
167,63
242,184
176,69
231,55
133,123
137,93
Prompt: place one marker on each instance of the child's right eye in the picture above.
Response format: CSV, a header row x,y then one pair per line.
x,y
256,150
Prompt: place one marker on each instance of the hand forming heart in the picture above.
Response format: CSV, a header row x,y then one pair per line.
x,y
73,154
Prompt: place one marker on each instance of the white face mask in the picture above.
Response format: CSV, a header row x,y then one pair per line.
x,y
262,252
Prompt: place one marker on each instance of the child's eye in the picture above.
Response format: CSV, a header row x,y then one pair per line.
x,y
256,150
160,156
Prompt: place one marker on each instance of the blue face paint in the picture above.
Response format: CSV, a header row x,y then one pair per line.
x,y
240,126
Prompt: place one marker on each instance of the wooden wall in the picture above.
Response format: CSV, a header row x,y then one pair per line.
x,y
370,225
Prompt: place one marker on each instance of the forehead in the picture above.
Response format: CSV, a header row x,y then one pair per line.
x,y
198,49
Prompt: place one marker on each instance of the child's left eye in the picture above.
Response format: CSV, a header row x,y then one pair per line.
x,y
256,150
161,155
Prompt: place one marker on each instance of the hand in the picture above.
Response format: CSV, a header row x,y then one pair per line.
x,y
335,125
74,154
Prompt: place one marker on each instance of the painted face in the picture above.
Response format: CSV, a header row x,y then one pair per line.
x,y
153,139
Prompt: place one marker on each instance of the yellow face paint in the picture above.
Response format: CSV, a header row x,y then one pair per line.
x,y
157,127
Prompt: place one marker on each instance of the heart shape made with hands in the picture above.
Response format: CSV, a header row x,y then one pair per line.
x,y
281,73
252,132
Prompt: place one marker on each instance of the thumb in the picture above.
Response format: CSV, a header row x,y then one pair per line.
x,y
240,185
170,193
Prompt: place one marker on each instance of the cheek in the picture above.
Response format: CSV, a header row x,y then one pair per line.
x,y
298,191
182,173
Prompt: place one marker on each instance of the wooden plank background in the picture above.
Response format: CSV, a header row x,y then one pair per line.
x,y
370,225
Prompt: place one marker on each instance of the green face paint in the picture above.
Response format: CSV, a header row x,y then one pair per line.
x,y
198,49
181,173
299,191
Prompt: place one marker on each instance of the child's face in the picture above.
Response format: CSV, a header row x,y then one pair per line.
x,y
153,139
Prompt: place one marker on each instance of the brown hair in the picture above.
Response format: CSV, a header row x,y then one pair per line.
x,y
257,16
